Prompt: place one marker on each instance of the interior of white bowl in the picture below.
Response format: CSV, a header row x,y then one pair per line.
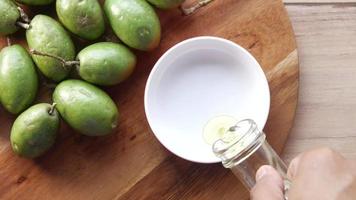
x,y
199,79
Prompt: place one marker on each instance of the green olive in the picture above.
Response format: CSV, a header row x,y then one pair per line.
x,y
18,79
46,35
82,17
134,22
9,15
35,130
166,4
86,108
35,2
106,63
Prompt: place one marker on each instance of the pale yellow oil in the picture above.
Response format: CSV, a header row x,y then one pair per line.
x,y
233,137
217,128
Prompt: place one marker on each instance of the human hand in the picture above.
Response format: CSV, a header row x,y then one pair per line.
x,y
318,174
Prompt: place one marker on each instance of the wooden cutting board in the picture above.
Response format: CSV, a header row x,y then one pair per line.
x,y
131,164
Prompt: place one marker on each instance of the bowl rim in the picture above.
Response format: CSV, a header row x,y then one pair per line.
x,y
158,64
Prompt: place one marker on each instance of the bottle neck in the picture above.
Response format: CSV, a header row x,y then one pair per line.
x,y
243,140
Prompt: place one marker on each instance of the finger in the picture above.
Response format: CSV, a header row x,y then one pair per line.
x,y
352,164
293,167
269,185
319,155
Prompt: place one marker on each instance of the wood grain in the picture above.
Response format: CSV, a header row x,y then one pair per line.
x,y
326,38
132,164
316,2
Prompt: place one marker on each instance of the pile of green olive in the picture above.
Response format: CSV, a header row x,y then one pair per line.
x,y
81,103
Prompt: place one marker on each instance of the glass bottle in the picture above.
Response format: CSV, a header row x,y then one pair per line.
x,y
244,149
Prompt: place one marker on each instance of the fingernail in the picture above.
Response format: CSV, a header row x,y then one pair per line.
x,y
261,173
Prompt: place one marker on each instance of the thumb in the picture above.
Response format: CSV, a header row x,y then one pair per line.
x,y
269,185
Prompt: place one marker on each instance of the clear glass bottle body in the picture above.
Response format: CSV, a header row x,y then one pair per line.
x,y
245,150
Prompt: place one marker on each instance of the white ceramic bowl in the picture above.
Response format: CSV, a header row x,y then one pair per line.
x,y
196,80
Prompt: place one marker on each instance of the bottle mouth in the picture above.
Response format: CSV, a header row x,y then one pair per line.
x,y
240,141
